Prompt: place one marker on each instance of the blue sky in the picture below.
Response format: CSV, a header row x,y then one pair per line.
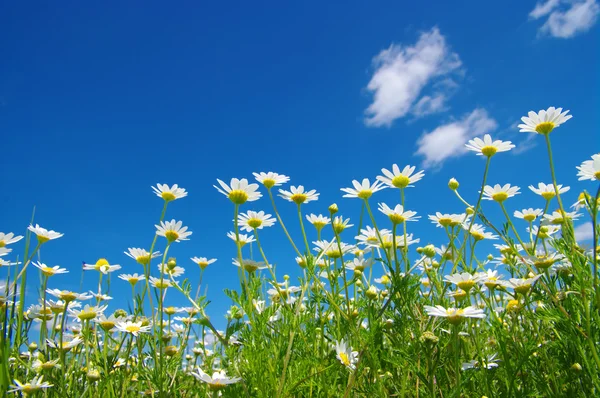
x,y
100,101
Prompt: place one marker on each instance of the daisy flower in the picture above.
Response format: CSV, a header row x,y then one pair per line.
x,y
67,295
255,220
545,231
49,271
318,221
44,235
477,231
157,283
4,263
557,218
454,315
243,238
239,191
170,270
464,281
36,384
544,121
132,278
547,191
499,193
270,179
173,231
345,355
520,285
203,262
543,261
141,255
528,215
362,190
7,239
217,381
368,235
68,343
132,327
448,220
332,248
102,265
339,224
249,265
4,251
590,169
491,279
398,215
259,305
487,147
400,179
88,312
105,323
359,264
298,195
169,194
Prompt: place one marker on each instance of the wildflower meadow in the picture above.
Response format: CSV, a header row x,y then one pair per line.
x,y
508,306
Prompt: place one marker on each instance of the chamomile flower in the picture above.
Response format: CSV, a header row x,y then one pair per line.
x,y
362,190
88,312
239,191
132,278
4,263
318,221
270,179
249,265
106,323
332,249
9,238
547,191
368,235
169,193
44,235
499,193
400,179
528,215
488,147
491,279
133,328
339,224
259,305
217,381
590,169
102,265
557,218
448,220
545,231
69,342
4,251
49,271
298,195
173,230
521,285
243,238
157,283
346,355
478,232
255,220
67,295
101,296
141,255
359,264
544,121
36,384
454,315
542,260
398,215
464,281
170,270
203,262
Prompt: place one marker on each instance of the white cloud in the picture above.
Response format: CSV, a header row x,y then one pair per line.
x,y
584,232
528,143
576,16
401,74
449,140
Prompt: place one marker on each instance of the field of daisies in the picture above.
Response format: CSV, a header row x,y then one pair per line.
x,y
507,307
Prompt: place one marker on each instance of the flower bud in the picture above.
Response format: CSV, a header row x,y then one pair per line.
x,y
453,184
333,209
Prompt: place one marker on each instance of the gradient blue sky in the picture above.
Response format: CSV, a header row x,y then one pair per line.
x,y
99,101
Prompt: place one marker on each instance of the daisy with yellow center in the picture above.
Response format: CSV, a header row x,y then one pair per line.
x,y
544,121
88,312
398,215
339,224
250,266
400,179
362,190
241,239
169,193
488,147
271,179
36,384
173,230
133,328
254,220
346,355
49,271
298,195
132,278
43,235
499,193
447,220
590,169
529,215
556,217
7,239
547,191
102,265
454,315
203,262
217,381
68,296
239,191
478,232
464,281
319,221
158,283
141,255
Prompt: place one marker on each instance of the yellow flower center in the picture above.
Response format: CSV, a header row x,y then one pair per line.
x,y
67,296
42,239
396,218
298,198
319,225
466,285
168,196
543,263
365,194
86,316
491,282
171,235
101,263
489,150
47,271
445,221
215,386
132,328
400,181
170,310
107,325
254,222
544,128
513,306
238,196
597,175
2,243
529,217
202,264
29,389
344,358
454,315
333,253
500,197
144,259
477,235
522,288
459,295
269,183
339,227
548,195
250,267
161,285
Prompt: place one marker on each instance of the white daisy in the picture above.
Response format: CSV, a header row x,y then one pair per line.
x,y
4,263
491,279
557,218
252,219
217,381
203,262
270,179
157,283
547,191
132,327
102,265
499,193
398,215
448,220
545,231
49,271
170,270
521,285
44,235
7,239
339,224
68,343
141,255
169,194
4,251
88,312
529,215
318,221
454,315
464,281
488,147
298,195
368,236
243,238
173,231
590,169
332,248
400,179
345,355
101,296
27,389
478,232
239,191
544,121
67,295
362,190
249,265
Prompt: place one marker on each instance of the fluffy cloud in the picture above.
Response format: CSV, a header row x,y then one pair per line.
x,y
449,140
584,232
403,72
566,18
